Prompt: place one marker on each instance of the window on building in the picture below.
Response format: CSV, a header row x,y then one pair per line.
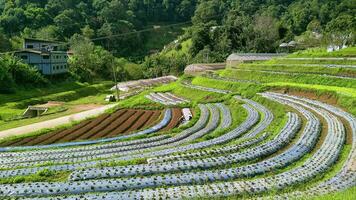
x,y
30,46
45,57
24,57
54,68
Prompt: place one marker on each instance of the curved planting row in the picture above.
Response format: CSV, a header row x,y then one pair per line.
x,y
197,87
120,122
174,179
204,163
166,98
181,168
210,152
346,177
176,119
164,122
106,153
199,126
252,119
316,164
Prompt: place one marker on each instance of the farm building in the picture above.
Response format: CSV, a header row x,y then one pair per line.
x,y
44,55
236,58
37,44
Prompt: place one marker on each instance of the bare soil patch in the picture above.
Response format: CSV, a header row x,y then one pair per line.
x,y
123,121
177,116
50,104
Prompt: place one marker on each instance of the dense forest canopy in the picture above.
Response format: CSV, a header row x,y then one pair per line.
x,y
241,25
61,19
217,28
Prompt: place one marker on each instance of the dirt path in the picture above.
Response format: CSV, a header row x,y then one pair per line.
x,y
54,122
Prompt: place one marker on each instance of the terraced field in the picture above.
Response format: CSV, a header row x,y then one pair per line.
x,y
121,122
247,140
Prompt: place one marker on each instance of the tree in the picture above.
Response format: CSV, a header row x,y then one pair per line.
x,y
14,73
266,35
68,23
5,44
341,30
87,32
91,62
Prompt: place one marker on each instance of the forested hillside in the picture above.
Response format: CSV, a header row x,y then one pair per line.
x,y
213,29
60,19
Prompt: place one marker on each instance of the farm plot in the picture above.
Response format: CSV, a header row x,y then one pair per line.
x,y
166,98
108,125
295,148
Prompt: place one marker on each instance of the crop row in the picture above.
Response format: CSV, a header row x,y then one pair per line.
x,y
205,163
346,177
166,98
174,179
199,126
122,121
243,128
318,163
166,119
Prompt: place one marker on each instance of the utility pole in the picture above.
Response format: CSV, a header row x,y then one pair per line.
x,y
115,79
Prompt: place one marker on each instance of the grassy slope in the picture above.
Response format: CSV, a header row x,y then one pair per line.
x,y
348,194
265,77
159,38
321,52
185,46
71,93
138,101
315,69
343,90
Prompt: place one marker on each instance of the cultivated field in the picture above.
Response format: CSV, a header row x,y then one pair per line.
x,y
259,130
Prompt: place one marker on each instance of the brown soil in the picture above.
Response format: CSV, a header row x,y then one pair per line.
x,y
58,136
51,104
329,99
176,117
153,120
84,107
113,125
141,121
101,126
82,130
127,124
107,125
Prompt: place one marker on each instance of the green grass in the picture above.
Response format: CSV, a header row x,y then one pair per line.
x,y
183,50
348,194
337,71
351,92
87,94
41,176
265,77
159,38
321,52
286,61
27,93
246,89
